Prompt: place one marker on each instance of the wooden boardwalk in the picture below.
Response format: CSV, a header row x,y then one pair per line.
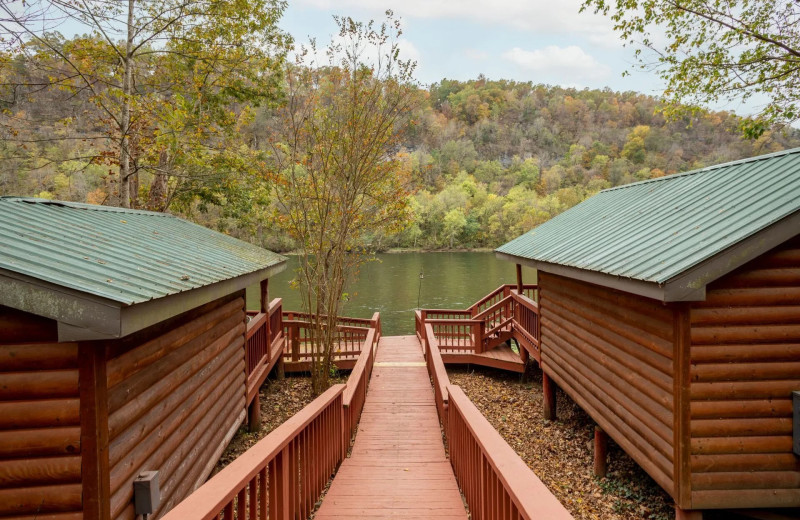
x,y
398,467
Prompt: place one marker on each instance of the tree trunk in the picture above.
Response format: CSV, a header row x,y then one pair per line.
x,y
158,189
125,120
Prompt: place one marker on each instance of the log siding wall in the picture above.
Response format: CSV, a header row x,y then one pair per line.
x,y
612,353
174,402
745,363
40,430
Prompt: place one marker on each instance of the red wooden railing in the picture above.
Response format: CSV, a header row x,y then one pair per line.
x,y
527,325
356,392
495,481
437,371
257,344
282,476
263,345
350,335
500,315
275,320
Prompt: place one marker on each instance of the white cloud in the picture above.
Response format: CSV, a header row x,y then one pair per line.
x,y
571,65
408,51
544,16
475,54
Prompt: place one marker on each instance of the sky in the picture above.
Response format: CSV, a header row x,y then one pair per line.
x,y
544,41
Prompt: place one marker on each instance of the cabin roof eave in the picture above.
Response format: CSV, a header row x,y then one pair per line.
x,y
689,285
87,317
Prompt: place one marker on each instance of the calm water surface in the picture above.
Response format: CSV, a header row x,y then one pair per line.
x,y
391,285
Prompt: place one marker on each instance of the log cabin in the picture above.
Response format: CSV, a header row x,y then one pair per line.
x,y
122,351
670,312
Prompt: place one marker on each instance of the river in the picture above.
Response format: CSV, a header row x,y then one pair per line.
x,y
392,285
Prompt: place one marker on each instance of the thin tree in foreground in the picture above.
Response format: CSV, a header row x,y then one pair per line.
x,y
337,178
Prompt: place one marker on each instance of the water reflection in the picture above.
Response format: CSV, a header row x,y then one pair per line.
x,y
391,285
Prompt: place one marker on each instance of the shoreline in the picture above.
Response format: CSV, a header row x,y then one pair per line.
x,y
401,250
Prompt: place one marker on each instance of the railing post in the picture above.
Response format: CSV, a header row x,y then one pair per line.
x,y
549,394
294,341
481,332
279,486
254,414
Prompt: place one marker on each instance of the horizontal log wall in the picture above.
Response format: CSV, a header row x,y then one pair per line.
x,y
40,424
745,363
611,352
174,401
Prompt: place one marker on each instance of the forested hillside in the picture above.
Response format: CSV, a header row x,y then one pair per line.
x,y
488,159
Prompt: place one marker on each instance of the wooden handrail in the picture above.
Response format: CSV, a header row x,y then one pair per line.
x,y
437,372
355,393
284,474
256,321
360,367
513,312
467,430
448,311
526,302
445,321
343,328
281,460
293,315
499,326
493,308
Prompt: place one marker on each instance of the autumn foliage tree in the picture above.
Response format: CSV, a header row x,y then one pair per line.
x,y
337,179
164,78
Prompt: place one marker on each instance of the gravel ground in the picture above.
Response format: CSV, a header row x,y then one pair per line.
x,y
560,452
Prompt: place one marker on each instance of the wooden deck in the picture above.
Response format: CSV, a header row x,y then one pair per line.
x,y
398,467
499,357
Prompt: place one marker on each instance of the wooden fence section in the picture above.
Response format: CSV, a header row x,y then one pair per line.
x,y
282,476
501,315
437,372
356,392
264,345
350,336
495,481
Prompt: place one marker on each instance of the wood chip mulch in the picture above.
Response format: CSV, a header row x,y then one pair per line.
x,y
560,452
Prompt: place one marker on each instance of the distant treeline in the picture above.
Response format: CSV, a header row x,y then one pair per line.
x,y
488,160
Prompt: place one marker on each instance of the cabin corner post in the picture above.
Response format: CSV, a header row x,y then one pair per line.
x,y
95,472
681,406
519,279
264,295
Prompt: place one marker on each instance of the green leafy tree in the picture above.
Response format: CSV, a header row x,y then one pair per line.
x,y
709,51
454,224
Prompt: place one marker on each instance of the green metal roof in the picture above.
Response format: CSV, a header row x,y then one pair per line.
x,y
126,256
657,230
